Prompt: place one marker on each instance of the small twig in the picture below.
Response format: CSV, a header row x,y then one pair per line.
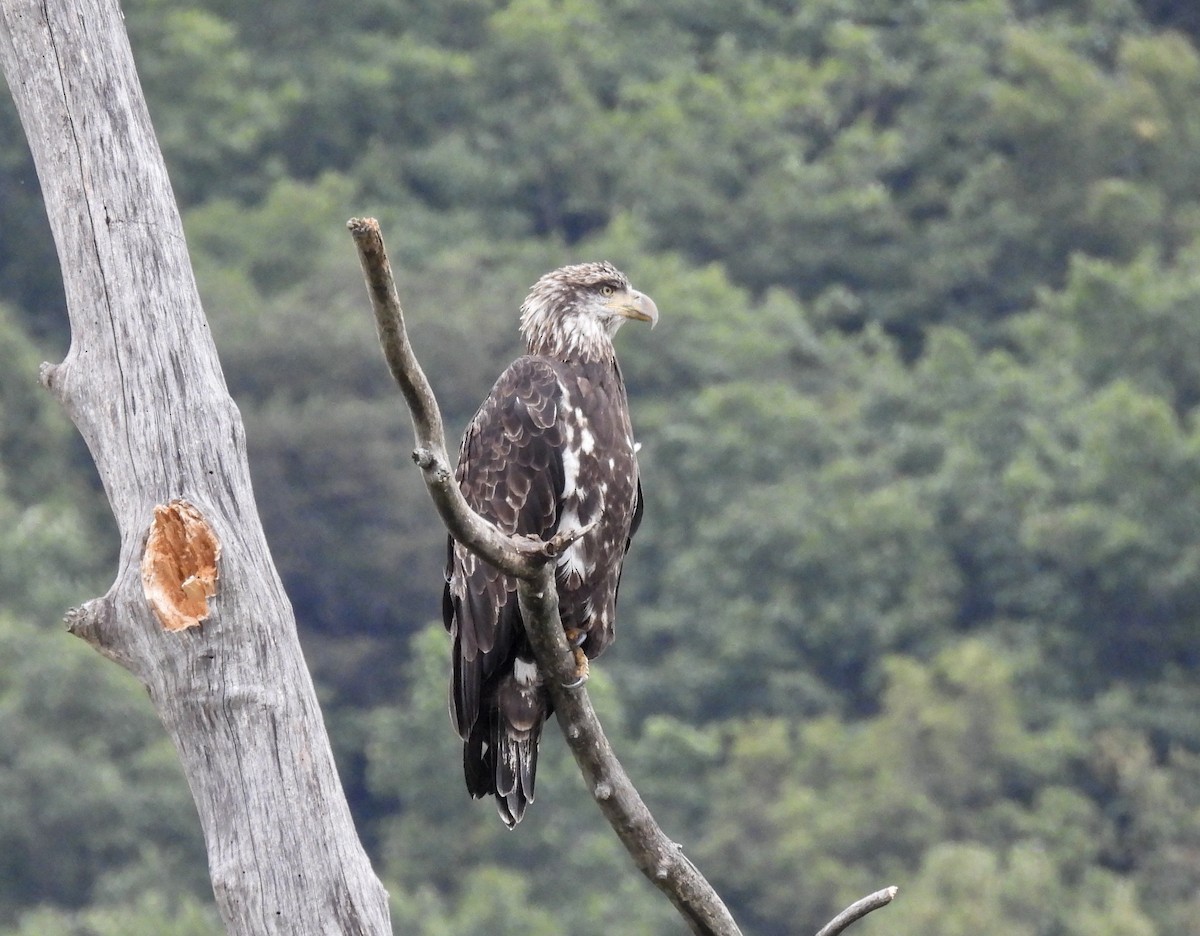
x,y
857,910
530,561
563,540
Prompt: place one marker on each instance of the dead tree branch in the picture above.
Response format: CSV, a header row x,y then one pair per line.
x,y
857,910
660,859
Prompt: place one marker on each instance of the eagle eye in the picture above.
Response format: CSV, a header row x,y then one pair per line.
x,y
606,290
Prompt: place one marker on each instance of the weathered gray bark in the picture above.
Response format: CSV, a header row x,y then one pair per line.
x,y
143,384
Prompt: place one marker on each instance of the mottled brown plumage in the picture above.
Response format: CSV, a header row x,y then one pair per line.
x,y
550,449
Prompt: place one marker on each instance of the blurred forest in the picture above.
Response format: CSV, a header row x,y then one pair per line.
x,y
917,596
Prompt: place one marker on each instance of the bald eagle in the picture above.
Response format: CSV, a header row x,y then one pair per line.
x,y
550,450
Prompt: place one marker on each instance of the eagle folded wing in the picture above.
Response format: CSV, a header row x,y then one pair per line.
x,y
510,470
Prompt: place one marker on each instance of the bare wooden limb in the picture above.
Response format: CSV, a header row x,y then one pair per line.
x,y
656,856
660,859
143,384
516,556
857,910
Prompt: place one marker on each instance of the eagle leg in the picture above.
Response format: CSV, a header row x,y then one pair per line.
x,y
581,669
575,636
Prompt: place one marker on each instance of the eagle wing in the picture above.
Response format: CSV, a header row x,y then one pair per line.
x,y
510,469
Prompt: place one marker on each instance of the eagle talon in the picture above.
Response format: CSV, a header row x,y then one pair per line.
x,y
575,637
581,669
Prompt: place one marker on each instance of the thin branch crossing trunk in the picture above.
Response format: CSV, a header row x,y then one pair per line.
x,y
143,384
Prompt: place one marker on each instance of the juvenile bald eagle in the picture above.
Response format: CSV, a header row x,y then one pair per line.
x,y
551,449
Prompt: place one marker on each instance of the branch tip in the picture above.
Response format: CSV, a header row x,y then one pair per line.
x,y
859,909
92,622
562,541
50,377
84,620
362,227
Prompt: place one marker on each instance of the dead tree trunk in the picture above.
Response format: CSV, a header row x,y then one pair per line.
x,y
143,384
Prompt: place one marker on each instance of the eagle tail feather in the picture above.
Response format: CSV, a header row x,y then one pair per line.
x,y
464,693
477,762
501,762
516,769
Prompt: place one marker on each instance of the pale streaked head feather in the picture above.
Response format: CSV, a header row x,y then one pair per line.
x,y
565,317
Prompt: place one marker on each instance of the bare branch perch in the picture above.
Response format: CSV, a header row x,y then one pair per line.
x,y
519,557
660,859
657,857
857,910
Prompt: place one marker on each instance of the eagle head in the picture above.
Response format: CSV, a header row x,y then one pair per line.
x,y
573,313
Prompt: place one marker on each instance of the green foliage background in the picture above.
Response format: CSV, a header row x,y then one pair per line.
x,y
917,598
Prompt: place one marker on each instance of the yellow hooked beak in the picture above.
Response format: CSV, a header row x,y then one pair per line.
x,y
636,306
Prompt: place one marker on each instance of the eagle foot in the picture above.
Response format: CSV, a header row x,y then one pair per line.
x,y
575,636
581,669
